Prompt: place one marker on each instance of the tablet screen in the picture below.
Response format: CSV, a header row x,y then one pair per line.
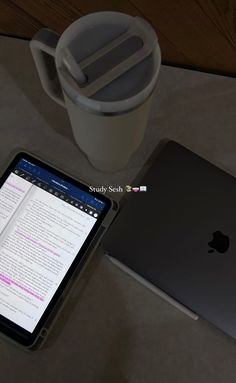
x,y
44,221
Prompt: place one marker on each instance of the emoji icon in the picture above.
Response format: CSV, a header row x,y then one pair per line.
x,y
143,188
128,188
135,189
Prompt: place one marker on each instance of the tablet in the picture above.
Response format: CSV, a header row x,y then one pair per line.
x,y
48,224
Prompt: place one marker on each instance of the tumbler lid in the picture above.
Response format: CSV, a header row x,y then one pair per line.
x,y
120,64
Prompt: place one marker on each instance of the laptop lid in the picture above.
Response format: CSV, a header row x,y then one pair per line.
x,y
180,235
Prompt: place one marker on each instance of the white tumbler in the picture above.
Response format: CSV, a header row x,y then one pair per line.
x,y
103,70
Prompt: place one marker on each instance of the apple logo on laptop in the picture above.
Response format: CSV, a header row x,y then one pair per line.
x,y
220,242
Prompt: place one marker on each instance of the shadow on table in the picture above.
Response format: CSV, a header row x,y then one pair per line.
x,y
17,61
115,346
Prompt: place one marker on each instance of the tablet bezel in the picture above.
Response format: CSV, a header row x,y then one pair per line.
x,y
9,328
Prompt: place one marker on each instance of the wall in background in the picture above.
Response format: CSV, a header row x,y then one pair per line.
x,y
193,33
